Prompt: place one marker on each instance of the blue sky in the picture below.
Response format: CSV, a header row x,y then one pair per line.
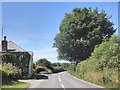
x,y
33,26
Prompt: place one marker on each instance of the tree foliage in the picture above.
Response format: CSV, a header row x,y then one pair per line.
x,y
44,62
80,31
107,53
52,67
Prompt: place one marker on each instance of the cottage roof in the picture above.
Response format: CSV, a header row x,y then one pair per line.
x,y
12,47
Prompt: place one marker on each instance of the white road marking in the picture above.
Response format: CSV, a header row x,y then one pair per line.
x,y
61,82
62,85
59,79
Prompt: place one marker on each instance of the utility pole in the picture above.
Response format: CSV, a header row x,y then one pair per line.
x,y
2,34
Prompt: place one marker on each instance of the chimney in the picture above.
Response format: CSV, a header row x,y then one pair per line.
x,y
4,44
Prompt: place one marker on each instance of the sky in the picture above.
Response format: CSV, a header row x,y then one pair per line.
x,y
34,25
60,0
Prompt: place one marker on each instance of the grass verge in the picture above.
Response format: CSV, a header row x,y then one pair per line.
x,y
110,86
16,84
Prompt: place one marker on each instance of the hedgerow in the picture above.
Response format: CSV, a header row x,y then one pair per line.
x,y
103,66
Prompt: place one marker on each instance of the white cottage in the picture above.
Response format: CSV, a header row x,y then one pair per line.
x,y
12,47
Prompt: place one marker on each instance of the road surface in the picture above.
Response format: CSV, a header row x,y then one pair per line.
x,y
62,80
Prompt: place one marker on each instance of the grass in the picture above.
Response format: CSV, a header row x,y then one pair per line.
x,y
16,84
95,78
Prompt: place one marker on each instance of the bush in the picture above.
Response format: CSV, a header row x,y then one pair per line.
x,y
47,70
19,59
102,67
10,71
42,68
57,69
107,53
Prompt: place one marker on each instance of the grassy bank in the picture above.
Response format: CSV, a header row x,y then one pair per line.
x,y
15,84
97,78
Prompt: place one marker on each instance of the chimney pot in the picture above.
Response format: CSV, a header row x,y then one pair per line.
x,y
4,38
4,44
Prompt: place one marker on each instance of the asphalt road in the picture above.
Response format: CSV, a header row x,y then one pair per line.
x,y
62,80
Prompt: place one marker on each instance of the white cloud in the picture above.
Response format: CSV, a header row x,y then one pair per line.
x,y
44,50
45,56
49,53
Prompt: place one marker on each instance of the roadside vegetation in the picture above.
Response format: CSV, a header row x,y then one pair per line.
x,y
10,76
13,68
15,84
102,67
87,40
45,66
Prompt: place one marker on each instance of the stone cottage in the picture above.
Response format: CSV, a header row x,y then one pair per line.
x,y
9,46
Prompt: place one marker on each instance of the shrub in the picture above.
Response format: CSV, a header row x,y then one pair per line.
x,y
102,67
19,59
47,70
58,69
39,68
10,71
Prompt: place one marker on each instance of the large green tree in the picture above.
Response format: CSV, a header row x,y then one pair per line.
x,y
80,31
44,62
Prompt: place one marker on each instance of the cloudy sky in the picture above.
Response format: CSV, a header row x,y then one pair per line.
x,y
33,25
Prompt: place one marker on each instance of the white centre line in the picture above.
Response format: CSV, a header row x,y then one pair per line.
x,y
59,79
61,82
62,86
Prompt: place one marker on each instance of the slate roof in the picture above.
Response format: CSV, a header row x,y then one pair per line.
x,y
12,47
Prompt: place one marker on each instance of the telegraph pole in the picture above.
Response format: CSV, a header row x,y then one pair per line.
x,y
2,34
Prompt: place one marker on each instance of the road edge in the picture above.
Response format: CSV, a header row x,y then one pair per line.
x,y
85,81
